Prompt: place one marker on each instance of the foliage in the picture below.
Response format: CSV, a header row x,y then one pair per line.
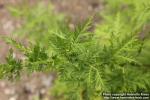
x,y
87,63
132,16
37,20
12,69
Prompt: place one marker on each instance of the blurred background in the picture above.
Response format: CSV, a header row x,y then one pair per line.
x,y
75,11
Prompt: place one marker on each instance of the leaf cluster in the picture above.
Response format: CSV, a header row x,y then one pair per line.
x,y
90,63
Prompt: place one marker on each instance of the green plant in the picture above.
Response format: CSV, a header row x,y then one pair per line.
x,y
87,67
131,17
88,64
37,21
11,70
